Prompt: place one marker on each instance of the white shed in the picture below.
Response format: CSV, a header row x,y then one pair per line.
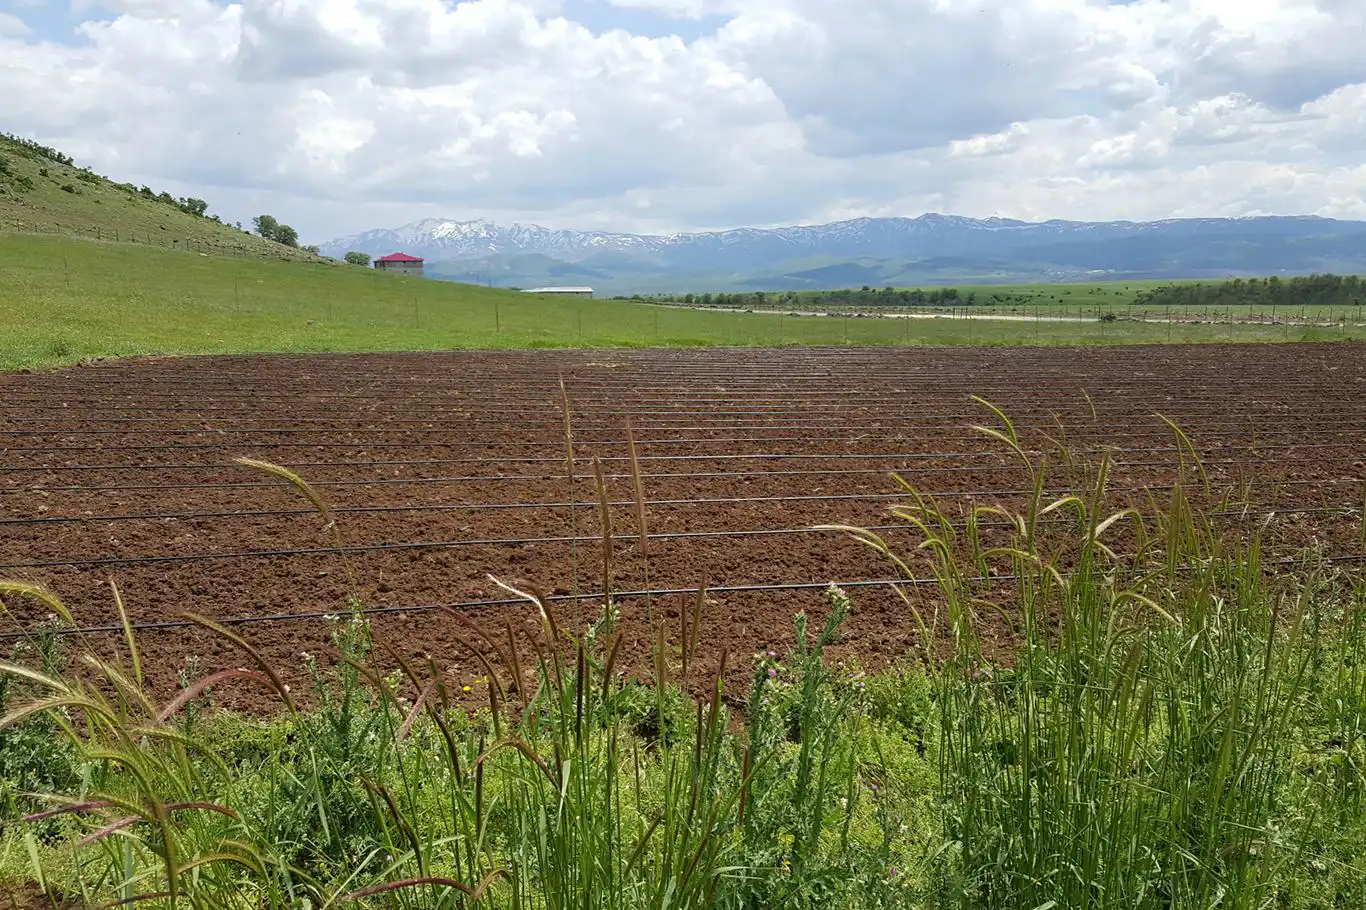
x,y
561,292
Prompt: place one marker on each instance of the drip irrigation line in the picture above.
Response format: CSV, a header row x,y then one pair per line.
x,y
433,410
738,378
553,428
678,405
652,375
737,366
428,462
484,446
1256,444
561,478
164,625
586,505
414,545
355,549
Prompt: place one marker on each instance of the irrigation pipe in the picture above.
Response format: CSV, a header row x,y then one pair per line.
x,y
1239,515
563,598
551,428
853,434
493,507
560,478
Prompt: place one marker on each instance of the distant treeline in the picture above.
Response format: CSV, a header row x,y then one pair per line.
x,y
1311,290
852,297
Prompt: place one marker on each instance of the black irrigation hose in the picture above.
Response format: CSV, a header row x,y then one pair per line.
x,y
505,506
737,420
680,405
561,478
256,444
422,462
570,598
737,364
1273,424
414,545
469,407
651,374
523,541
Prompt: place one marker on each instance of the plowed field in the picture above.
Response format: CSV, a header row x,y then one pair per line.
x,y
443,469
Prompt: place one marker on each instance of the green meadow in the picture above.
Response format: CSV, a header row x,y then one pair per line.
x,y
65,299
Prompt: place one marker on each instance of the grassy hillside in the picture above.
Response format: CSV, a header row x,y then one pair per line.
x,y
42,194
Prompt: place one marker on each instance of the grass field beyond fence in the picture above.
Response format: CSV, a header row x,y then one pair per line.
x,y
65,299
1180,729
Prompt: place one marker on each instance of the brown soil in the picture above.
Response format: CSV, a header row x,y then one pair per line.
x,y
727,438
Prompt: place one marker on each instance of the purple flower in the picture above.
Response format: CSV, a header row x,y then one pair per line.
x,y
772,672
773,654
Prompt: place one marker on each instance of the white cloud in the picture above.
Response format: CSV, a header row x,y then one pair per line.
x,y
11,26
347,114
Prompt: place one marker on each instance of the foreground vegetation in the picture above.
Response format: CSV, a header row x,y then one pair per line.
x,y
1181,727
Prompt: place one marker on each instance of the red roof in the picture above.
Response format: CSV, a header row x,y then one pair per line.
x,y
398,257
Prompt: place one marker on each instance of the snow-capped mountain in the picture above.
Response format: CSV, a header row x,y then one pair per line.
x,y
439,238
987,247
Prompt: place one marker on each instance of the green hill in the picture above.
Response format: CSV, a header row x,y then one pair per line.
x,y
43,192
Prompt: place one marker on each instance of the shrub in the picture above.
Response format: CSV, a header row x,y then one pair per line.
x,y
31,149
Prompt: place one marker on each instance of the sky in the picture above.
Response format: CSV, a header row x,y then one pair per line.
x,y
662,115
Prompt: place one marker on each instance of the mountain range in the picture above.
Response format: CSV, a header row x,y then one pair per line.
x,y
929,249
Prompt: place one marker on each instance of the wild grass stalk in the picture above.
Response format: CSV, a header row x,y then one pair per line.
x,y
642,528
1139,752
572,496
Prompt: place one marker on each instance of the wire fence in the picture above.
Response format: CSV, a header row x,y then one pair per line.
x,y
1305,316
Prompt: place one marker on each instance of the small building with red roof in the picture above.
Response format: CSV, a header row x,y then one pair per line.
x,y
400,264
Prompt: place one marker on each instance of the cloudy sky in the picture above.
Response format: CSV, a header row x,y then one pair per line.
x,y
343,115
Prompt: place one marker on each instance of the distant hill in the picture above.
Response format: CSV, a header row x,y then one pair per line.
x,y
930,249
43,191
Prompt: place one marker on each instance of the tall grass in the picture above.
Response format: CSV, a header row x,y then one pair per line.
x,y
1178,726
1177,722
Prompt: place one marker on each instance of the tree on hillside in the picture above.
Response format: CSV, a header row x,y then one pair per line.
x,y
194,206
356,257
286,235
271,229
